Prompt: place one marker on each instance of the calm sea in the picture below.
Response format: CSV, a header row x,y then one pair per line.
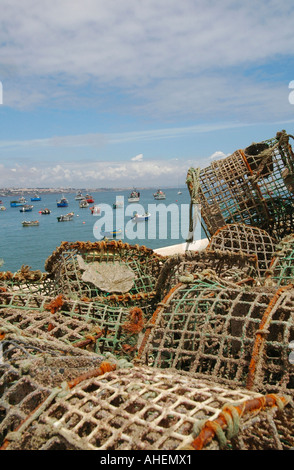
x,y
32,245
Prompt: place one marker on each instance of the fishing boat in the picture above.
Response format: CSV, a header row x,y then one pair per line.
x,y
134,196
45,211
79,196
112,233
95,210
159,195
65,217
19,202
2,208
30,223
26,208
89,198
36,197
83,203
140,217
63,202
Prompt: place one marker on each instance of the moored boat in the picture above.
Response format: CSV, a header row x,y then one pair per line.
x,y
63,202
83,203
36,197
119,202
141,217
30,223
2,208
18,203
45,211
65,217
79,196
26,208
159,195
134,196
89,198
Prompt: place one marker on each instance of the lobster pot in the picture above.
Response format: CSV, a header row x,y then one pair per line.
x,y
253,186
247,239
110,272
149,409
26,280
236,335
96,327
226,265
282,265
30,369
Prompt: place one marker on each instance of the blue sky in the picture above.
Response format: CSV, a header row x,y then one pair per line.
x,y
133,93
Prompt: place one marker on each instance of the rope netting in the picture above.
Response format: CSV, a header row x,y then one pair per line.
x,y
97,327
281,269
230,334
246,239
107,271
145,408
253,186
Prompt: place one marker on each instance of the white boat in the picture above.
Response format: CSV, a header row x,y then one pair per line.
x,y
134,196
79,196
159,195
141,217
65,217
83,203
30,223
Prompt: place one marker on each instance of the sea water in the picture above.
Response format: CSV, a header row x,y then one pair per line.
x,y
31,246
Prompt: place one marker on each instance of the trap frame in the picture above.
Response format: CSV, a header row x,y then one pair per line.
x,y
253,186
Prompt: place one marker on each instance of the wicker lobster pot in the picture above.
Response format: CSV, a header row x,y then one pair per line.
x,y
236,335
254,186
281,269
108,271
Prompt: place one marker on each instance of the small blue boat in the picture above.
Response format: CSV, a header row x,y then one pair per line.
x,y
62,203
26,208
20,202
36,198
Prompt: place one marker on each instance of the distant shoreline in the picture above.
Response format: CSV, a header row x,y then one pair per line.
x,y
21,191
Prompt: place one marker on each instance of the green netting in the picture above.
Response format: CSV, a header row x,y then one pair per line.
x,y
239,335
281,270
97,271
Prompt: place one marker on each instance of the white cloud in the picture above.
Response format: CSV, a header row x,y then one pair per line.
x,y
167,57
137,158
218,155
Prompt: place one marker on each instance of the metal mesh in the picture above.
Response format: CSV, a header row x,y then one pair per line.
x,y
144,409
236,335
253,186
249,240
70,262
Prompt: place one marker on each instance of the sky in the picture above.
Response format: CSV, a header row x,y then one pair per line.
x,y
133,93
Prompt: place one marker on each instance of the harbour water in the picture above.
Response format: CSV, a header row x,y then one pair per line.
x,y
32,245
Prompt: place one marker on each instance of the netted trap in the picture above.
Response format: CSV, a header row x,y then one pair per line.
x,y
106,271
144,408
281,269
254,186
30,370
246,239
235,267
236,335
94,326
